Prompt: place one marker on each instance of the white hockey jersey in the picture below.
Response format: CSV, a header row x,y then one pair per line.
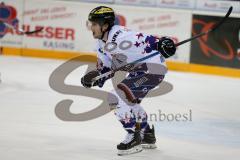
x,y
134,45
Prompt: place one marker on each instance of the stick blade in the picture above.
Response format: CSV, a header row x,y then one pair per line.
x,y
35,31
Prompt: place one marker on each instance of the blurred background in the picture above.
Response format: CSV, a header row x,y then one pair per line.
x,y
65,33
202,83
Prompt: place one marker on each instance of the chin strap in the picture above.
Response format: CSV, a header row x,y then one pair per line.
x,y
103,33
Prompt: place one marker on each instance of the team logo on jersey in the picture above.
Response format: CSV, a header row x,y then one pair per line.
x,y
8,14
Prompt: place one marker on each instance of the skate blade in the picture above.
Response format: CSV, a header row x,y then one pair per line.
x,y
133,150
149,146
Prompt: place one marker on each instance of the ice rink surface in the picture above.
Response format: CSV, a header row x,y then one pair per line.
x,y
30,130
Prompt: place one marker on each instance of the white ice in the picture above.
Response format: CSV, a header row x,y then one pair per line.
x,y
30,130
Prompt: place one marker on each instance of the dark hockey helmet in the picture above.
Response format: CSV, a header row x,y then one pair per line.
x,y
102,15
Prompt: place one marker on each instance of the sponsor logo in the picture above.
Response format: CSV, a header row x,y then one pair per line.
x,y
8,14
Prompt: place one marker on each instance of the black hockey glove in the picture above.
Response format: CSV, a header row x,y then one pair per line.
x,y
87,80
166,47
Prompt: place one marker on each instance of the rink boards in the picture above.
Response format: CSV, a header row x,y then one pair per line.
x,y
66,35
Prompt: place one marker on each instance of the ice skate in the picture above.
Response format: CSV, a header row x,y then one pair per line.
x,y
149,139
132,144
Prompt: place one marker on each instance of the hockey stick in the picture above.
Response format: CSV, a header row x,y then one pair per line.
x,y
208,31
22,31
177,44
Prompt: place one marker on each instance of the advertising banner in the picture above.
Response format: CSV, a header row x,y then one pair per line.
x,y
65,26
186,4
97,1
11,13
137,2
220,48
219,5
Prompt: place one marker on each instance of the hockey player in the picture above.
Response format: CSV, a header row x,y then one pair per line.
x,y
117,46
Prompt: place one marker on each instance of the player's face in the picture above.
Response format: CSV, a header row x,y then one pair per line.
x,y
96,30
